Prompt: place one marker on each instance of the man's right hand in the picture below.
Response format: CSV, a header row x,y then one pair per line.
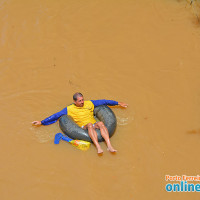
x,y
36,123
124,105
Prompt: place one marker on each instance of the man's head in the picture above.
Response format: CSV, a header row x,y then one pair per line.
x,y
78,99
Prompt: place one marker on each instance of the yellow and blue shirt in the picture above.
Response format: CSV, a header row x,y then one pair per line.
x,y
81,115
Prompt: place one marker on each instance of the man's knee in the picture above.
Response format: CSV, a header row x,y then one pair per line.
x,y
101,124
90,125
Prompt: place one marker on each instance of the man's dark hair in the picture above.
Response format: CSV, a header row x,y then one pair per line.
x,y
76,95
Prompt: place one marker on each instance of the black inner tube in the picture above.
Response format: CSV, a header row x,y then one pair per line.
x,y
102,113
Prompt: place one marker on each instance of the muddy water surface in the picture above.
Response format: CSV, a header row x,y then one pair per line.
x,y
145,53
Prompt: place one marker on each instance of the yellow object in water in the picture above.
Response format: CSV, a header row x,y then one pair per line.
x,y
81,144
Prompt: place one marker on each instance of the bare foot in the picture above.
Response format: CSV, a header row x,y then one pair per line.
x,y
99,150
111,149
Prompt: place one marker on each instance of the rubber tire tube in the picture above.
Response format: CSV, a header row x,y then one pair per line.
x,y
102,113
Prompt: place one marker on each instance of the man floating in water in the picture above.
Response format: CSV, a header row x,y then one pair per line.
x,y
82,113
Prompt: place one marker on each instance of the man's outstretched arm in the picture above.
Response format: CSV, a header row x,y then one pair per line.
x,y
51,119
108,102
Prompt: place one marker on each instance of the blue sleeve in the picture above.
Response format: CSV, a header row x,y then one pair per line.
x,y
53,118
104,102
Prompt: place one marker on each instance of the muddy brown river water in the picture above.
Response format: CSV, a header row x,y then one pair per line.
x,y
144,53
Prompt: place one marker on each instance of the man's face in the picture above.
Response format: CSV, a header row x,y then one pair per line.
x,y
79,102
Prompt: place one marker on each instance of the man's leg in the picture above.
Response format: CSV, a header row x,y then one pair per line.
x,y
93,135
105,135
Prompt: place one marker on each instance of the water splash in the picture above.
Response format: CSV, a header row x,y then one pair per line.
x,y
122,121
